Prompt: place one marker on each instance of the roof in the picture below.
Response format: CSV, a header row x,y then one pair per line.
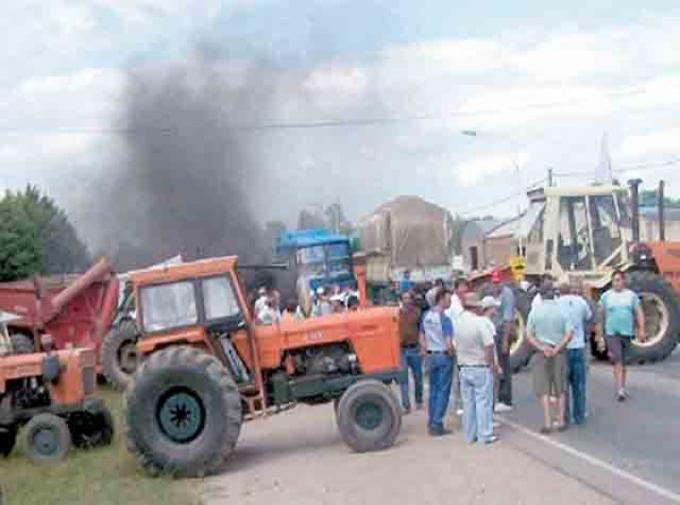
x,y
189,269
505,229
308,238
480,227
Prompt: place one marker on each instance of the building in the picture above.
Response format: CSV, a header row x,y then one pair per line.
x,y
649,224
472,242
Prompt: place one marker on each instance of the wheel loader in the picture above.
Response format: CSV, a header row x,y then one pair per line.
x,y
208,367
47,398
584,234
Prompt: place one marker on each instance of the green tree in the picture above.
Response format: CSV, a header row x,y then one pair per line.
x,y
20,250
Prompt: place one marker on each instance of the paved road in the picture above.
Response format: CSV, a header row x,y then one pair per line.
x,y
640,437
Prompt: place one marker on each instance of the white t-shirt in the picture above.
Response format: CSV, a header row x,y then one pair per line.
x,y
473,335
456,308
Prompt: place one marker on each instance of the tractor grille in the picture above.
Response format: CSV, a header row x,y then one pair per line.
x,y
89,375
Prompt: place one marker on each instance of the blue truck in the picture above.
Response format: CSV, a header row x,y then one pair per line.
x,y
318,258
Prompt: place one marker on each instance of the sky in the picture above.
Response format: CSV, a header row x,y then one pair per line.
x,y
462,103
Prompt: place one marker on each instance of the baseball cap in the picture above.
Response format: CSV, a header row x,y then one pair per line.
x,y
496,276
489,302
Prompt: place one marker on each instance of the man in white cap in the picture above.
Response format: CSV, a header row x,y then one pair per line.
x,y
474,341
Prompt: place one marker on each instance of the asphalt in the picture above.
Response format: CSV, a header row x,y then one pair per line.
x,y
630,451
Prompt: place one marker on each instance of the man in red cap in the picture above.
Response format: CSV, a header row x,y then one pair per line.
x,y
505,325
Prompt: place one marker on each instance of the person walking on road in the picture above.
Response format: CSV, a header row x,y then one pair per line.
x,y
409,321
549,333
436,342
620,310
505,326
578,314
475,346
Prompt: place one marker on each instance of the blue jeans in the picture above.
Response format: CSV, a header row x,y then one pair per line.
x,y
577,385
410,358
441,374
476,388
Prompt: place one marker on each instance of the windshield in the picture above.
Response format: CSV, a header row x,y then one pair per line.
x,y
169,306
605,226
219,299
307,255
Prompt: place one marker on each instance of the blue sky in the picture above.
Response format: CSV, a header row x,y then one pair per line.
x,y
540,81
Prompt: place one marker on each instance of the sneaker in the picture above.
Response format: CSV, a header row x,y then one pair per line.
x,y
502,407
492,439
438,432
621,396
459,412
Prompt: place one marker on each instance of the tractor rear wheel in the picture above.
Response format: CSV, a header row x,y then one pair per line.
x,y
21,343
8,437
118,354
183,413
520,349
46,438
369,416
662,317
92,426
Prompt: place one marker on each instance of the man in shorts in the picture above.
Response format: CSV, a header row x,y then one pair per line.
x,y
549,333
620,310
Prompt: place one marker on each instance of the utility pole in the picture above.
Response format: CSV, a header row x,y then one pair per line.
x,y
550,177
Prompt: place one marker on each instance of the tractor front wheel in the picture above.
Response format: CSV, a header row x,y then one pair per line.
x,y
92,426
46,438
368,416
183,413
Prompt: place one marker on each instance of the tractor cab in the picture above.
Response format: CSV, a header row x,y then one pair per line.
x,y
579,232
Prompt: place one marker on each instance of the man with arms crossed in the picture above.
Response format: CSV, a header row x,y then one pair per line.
x,y
620,310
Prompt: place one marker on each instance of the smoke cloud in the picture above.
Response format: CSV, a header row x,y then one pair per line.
x,y
189,171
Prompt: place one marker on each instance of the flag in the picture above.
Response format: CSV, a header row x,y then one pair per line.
x,y
603,170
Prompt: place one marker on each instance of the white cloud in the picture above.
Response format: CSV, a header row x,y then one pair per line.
x,y
664,141
471,172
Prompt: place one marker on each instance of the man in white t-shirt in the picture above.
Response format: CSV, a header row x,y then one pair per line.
x,y
461,286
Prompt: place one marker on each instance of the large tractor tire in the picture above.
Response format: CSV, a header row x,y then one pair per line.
x,y
662,317
520,349
46,438
92,426
368,416
22,343
183,413
8,437
118,354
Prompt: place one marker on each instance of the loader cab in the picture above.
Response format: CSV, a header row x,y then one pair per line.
x,y
580,231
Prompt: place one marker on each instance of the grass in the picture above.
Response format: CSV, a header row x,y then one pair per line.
x,y
103,475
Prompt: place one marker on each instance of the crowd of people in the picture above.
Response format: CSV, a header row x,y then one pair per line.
x,y
463,338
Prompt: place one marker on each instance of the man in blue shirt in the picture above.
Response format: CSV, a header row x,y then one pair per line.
x,y
620,309
436,342
577,312
549,333
405,284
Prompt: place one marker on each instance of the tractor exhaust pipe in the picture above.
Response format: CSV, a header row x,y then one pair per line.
x,y
635,207
662,211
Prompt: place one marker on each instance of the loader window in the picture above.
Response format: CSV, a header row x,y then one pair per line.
x,y
169,306
606,232
219,299
311,260
574,251
339,259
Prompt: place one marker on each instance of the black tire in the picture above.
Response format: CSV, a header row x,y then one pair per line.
x,y
8,437
46,438
662,315
92,426
183,413
118,354
21,343
369,416
520,350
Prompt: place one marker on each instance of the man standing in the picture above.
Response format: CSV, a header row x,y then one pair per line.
x,y
461,287
549,333
577,312
436,342
409,319
505,325
405,284
430,296
620,309
475,349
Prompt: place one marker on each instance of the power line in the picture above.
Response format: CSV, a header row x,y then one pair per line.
x,y
500,201
335,123
642,166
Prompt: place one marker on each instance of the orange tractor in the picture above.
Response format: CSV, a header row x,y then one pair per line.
x,y
207,367
51,393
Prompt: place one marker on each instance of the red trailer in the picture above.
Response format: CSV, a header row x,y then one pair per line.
x,y
75,310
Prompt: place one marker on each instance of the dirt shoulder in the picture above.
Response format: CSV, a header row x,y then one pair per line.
x,y
298,457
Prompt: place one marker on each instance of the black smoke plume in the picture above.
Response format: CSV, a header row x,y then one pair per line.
x,y
190,170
